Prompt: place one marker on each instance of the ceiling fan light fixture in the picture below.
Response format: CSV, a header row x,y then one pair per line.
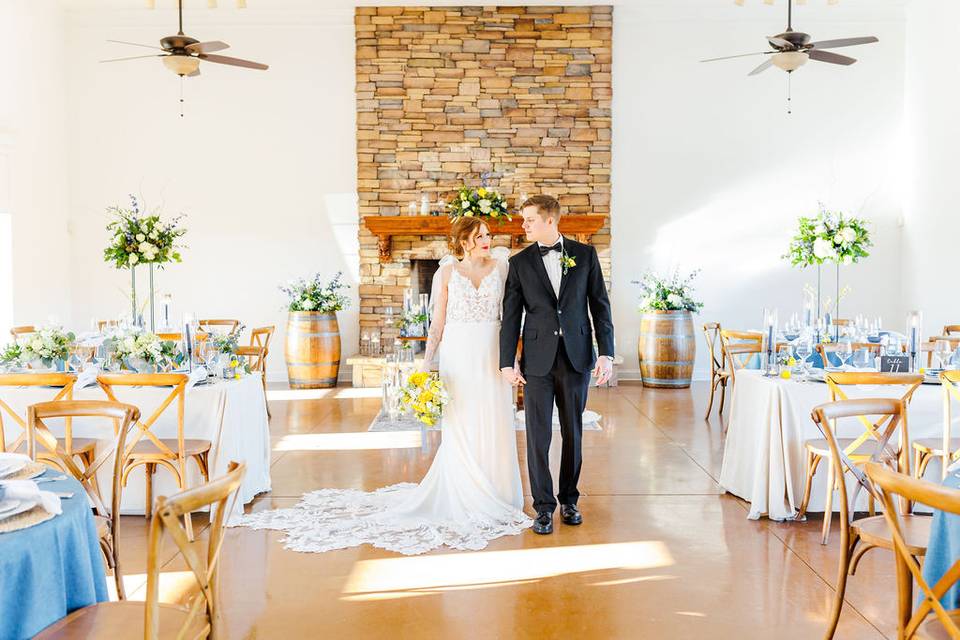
x,y
181,64
790,60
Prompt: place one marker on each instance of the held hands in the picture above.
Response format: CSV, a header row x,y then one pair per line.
x,y
512,376
603,370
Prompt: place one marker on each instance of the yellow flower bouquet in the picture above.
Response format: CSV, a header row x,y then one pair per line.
x,y
425,396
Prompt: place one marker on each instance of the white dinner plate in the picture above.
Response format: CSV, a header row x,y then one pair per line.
x,y
8,505
24,505
11,467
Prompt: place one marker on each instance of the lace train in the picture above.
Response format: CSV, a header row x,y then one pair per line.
x,y
330,519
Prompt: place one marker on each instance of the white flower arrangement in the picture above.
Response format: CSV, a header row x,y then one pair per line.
x,y
46,344
829,237
668,294
314,295
145,346
141,239
478,203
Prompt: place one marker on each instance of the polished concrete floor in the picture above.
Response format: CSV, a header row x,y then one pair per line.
x,y
662,553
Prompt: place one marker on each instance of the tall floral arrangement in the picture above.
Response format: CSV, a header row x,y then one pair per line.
x,y
478,203
316,295
672,293
139,238
829,237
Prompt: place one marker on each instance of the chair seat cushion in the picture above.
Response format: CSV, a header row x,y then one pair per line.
x,y
916,532
935,445
190,447
116,620
820,446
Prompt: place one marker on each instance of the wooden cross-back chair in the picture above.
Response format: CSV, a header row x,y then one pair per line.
x,y
23,330
739,347
260,337
863,446
151,619
145,449
42,441
951,329
945,447
857,537
171,336
719,375
823,350
929,347
213,325
257,361
82,448
917,623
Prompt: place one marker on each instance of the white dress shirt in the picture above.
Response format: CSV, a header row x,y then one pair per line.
x,y
551,263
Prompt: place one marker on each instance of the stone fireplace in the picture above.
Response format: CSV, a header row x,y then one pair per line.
x,y
445,95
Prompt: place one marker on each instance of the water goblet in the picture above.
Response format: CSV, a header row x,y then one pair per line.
x,y
944,352
844,352
803,350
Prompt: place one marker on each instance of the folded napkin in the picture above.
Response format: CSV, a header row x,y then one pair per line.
x,y
87,377
199,374
90,339
28,490
13,457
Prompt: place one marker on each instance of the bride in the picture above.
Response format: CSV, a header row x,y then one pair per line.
x,y
471,493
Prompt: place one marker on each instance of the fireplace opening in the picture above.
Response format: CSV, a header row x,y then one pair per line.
x,y
421,276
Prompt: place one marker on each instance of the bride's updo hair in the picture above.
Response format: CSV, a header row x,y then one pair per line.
x,y
461,231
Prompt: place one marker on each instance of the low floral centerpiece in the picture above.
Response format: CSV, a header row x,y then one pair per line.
x,y
425,396
478,203
46,347
143,351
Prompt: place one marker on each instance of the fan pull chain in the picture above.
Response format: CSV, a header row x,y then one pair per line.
x,y
181,96
790,93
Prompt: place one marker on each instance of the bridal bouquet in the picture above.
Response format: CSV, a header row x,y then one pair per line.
x,y
46,344
314,295
479,203
829,237
425,395
141,239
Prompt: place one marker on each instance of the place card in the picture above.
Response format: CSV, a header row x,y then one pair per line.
x,y
895,364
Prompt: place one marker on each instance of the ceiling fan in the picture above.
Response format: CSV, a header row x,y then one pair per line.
x,y
182,54
791,49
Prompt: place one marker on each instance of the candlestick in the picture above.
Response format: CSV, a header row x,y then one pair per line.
x,y
914,320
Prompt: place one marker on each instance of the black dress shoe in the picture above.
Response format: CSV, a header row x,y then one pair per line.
x,y
570,514
543,524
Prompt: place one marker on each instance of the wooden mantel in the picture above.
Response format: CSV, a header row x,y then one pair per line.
x,y
581,226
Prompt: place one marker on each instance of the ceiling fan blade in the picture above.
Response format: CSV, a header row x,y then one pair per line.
x,y
149,55
779,43
842,42
207,47
136,44
832,58
236,62
742,55
763,67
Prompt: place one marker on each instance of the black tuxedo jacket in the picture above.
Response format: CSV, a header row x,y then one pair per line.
x,y
549,316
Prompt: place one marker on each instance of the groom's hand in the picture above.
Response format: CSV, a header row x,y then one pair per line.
x,y
512,376
603,370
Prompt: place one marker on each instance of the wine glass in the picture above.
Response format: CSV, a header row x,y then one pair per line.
x,y
844,352
803,350
943,351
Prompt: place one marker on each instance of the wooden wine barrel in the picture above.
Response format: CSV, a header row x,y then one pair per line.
x,y
312,350
667,349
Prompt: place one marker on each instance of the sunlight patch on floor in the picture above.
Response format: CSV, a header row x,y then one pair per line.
x,y
351,441
299,394
175,586
495,568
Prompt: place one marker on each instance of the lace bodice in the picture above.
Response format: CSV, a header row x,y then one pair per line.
x,y
466,303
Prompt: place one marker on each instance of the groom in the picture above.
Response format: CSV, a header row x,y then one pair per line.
x,y
554,280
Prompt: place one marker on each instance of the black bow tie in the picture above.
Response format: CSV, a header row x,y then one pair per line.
x,y
545,250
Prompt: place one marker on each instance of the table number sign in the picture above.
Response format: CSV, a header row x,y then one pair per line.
x,y
895,364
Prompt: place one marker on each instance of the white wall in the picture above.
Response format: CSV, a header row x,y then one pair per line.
x,y
931,221
33,177
709,171
262,163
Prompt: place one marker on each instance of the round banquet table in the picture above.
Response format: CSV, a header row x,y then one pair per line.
x,y
51,568
231,414
764,455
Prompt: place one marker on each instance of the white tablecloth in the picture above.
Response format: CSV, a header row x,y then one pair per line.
x,y
764,456
243,435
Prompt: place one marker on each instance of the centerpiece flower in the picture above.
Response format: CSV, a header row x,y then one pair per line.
x,y
49,345
478,203
143,350
668,294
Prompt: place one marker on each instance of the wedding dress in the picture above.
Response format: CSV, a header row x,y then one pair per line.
x,y
471,493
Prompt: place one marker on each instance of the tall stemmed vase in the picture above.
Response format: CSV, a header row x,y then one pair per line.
x,y
153,327
133,295
836,307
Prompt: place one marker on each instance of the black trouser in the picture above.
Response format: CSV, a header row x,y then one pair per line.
x,y
568,388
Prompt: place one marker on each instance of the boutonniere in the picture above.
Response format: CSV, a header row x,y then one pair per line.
x,y
567,261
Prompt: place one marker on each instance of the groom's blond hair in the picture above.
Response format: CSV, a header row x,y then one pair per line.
x,y
547,206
